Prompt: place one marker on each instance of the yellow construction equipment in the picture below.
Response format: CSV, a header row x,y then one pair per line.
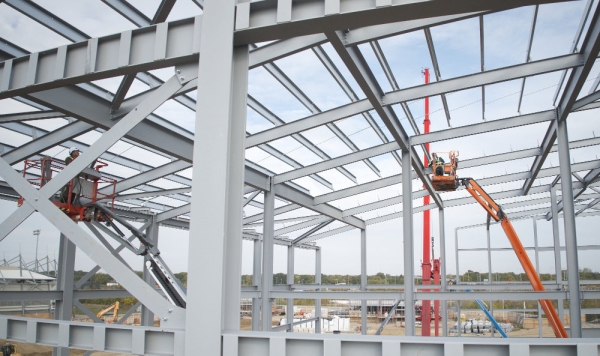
x,y
114,307
9,350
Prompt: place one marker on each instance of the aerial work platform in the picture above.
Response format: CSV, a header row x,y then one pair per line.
x,y
495,212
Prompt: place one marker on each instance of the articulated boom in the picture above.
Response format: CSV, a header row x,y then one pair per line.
x,y
495,211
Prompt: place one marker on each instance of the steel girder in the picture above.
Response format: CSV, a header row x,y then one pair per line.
x,y
589,52
334,9
267,21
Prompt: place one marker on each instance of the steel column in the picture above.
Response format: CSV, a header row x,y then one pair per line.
x,y
535,246
363,279
235,189
442,225
256,281
290,280
64,283
407,219
557,249
570,229
211,224
147,317
318,282
267,263
489,253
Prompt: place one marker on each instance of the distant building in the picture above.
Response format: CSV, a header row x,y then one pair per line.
x,y
112,284
17,279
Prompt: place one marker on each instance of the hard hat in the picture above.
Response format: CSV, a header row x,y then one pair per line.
x,y
73,149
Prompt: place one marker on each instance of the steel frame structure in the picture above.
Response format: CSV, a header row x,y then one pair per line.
x,y
56,83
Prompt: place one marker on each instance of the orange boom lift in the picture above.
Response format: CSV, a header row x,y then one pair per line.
x,y
496,213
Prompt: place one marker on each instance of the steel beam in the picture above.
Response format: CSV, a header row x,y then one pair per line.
x,y
129,12
85,336
483,127
404,95
45,18
280,49
485,78
436,70
311,222
278,211
38,200
149,176
311,231
267,114
448,203
288,193
339,78
257,22
292,162
335,162
361,72
32,115
49,140
152,194
314,109
33,131
589,52
589,178
164,8
131,51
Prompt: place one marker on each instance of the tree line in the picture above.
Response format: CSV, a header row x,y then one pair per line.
x,y
102,279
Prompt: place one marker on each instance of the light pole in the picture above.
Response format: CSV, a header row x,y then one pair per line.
x,y
37,234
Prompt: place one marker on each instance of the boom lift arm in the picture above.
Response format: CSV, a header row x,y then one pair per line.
x,y
163,276
495,212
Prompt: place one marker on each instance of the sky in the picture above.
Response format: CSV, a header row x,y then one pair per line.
x,y
458,49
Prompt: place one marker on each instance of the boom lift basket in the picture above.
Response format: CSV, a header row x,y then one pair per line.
x,y
447,181
76,196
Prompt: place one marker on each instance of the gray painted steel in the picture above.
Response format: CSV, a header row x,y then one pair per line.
x,y
56,82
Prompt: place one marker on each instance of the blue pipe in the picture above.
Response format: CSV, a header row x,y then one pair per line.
x,y
489,315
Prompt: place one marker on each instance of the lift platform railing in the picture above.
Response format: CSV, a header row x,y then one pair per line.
x,y
83,189
495,211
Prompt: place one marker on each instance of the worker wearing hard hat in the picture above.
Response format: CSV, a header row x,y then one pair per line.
x,y
64,194
439,162
73,153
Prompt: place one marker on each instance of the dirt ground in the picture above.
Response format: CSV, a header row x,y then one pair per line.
x,y
397,329
39,350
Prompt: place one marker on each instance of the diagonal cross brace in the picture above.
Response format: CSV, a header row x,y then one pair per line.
x,y
38,200
91,247
103,144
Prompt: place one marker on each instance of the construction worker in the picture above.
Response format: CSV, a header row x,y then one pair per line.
x,y
64,194
439,162
73,153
